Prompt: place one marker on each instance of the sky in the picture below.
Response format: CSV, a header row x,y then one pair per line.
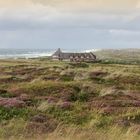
x,y
70,24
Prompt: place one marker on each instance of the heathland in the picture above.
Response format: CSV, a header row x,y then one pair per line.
x,y
45,99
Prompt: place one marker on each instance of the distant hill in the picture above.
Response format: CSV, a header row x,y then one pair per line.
x,y
119,55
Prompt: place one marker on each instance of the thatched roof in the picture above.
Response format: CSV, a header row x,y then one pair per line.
x,y
64,55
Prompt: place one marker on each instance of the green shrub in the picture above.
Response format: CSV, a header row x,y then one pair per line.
x,y
66,78
101,121
79,65
77,117
7,95
9,113
81,96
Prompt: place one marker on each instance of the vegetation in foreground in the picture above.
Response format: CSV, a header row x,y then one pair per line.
x,y
43,99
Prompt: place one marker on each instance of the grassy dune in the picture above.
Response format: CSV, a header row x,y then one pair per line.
x,y
124,56
44,99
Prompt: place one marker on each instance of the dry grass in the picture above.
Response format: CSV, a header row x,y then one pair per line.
x,y
83,102
14,132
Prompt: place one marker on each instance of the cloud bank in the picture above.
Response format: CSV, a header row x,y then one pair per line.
x,y
75,3
70,23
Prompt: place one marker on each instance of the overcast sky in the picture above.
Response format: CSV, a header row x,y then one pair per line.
x,y
81,24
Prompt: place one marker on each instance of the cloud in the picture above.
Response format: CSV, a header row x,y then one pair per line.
x,y
75,4
34,16
90,3
42,17
83,22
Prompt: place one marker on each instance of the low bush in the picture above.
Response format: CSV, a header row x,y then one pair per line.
x,y
9,113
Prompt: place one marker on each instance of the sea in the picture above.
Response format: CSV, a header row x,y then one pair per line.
x,y
24,53
31,53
